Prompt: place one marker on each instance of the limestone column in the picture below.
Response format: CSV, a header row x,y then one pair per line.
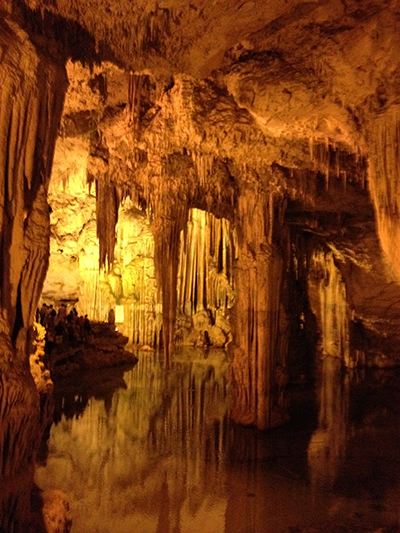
x,y
32,92
258,371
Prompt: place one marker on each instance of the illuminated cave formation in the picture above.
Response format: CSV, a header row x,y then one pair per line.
x,y
220,167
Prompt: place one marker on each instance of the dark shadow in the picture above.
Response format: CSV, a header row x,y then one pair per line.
x,y
71,394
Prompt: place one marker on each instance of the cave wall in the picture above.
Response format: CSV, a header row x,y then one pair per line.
x,y
31,98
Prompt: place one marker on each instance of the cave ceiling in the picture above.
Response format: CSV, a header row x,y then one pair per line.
x,y
250,80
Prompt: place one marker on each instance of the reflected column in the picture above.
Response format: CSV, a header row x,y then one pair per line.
x,y
327,446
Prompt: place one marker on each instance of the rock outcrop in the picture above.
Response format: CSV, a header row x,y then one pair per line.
x,y
103,348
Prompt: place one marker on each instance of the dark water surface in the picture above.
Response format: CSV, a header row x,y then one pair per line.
x,y
150,451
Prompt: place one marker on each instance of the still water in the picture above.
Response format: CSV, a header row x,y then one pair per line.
x,y
149,451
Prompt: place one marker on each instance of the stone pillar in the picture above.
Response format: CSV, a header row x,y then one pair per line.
x,y
258,351
31,99
168,197
167,225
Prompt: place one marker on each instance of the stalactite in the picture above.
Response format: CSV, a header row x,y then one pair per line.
x,y
344,163
204,164
305,186
205,282
32,123
28,128
31,98
134,101
151,29
328,301
320,155
106,218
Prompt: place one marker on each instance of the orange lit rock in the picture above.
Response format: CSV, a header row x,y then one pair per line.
x,y
301,97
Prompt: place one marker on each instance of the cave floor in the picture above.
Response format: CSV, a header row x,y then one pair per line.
x,y
149,451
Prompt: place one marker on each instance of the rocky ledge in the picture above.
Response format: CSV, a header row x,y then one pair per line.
x,y
104,347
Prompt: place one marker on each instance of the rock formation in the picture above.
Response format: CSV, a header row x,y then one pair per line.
x,y
280,123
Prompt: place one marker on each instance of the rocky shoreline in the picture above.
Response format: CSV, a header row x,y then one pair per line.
x,y
104,348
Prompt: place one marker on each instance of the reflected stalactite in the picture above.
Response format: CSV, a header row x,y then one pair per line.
x,y
327,294
161,451
327,446
150,440
258,319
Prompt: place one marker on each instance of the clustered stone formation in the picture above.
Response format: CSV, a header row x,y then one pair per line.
x,y
278,120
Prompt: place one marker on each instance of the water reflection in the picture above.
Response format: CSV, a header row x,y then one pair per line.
x,y
143,450
154,451
15,497
328,443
